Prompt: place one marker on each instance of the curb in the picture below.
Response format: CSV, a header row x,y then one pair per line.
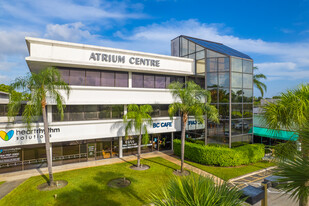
x,y
252,173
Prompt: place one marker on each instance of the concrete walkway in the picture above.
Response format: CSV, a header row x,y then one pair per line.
x,y
7,187
25,174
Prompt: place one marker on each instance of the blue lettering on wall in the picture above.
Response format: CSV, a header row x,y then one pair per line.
x,y
162,124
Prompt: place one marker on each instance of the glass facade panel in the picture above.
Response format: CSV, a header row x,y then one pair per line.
x,y
247,125
224,111
237,127
212,79
184,46
214,95
91,112
117,111
214,54
237,95
167,81
247,81
76,112
223,64
77,77
191,47
248,111
108,79
93,78
224,79
200,55
137,80
248,95
236,80
236,111
247,66
175,47
224,95
148,81
223,128
105,112
199,48
200,66
236,65
212,65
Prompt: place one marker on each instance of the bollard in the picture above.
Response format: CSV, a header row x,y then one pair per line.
x,y
264,201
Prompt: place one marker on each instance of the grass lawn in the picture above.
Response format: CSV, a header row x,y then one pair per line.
x,y
89,186
227,173
2,183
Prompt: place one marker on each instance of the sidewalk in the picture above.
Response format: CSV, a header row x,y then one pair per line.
x,y
25,174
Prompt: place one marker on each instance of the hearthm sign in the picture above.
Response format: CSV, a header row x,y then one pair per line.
x,y
25,136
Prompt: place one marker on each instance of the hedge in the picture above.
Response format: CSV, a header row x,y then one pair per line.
x,y
221,156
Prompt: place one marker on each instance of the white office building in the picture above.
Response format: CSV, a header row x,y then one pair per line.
x,y
105,80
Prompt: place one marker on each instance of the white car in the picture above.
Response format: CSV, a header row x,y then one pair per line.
x,y
240,125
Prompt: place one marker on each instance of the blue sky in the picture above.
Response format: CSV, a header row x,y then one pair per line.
x,y
274,33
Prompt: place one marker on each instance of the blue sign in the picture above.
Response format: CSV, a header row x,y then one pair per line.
x,y
191,122
162,124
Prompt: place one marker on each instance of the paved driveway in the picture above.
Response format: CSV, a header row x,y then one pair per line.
x,y
275,197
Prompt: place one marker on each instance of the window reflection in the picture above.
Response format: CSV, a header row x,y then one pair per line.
x,y
248,95
236,79
236,111
237,95
224,95
212,80
211,64
248,111
223,64
184,46
214,95
248,81
224,111
224,79
247,66
236,65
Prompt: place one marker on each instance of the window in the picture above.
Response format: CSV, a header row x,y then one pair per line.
x,y
65,75
108,79
247,66
93,78
77,77
137,80
184,46
223,64
160,82
236,80
121,79
236,65
91,112
212,80
248,81
212,64
224,79
148,81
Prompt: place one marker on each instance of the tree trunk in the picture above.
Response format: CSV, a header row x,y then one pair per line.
x,y
139,149
47,144
304,201
183,136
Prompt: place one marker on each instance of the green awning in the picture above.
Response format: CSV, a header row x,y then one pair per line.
x,y
275,134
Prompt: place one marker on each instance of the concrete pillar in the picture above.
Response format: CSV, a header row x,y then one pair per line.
x,y
125,109
120,147
130,79
172,138
49,113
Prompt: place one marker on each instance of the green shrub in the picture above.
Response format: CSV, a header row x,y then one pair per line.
x,y
220,156
238,144
201,142
217,145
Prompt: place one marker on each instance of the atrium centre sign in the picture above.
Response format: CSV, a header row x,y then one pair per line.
x,y
121,59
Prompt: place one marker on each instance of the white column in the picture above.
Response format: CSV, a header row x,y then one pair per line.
x,y
172,141
120,146
125,109
130,79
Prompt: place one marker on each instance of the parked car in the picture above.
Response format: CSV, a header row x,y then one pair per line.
x,y
240,125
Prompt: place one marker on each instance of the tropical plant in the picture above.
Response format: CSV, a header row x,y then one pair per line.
x,y
190,100
291,112
37,87
197,191
137,119
257,81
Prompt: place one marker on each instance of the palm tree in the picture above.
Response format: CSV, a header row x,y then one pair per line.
x,y
190,99
291,112
37,86
256,81
197,190
138,118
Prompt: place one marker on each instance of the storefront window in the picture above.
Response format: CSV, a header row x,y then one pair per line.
x,y
121,79
93,78
107,79
77,77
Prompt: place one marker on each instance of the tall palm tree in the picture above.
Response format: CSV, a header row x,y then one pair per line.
x,y
291,112
193,191
138,118
257,81
37,86
190,100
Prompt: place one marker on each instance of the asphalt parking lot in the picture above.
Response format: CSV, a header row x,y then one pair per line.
x,y
274,196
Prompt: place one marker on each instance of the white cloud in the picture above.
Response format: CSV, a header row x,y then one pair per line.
x,y
68,32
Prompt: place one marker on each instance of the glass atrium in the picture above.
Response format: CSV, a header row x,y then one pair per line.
x,y
228,75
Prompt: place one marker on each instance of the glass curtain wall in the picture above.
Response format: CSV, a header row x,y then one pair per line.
x,y
229,80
